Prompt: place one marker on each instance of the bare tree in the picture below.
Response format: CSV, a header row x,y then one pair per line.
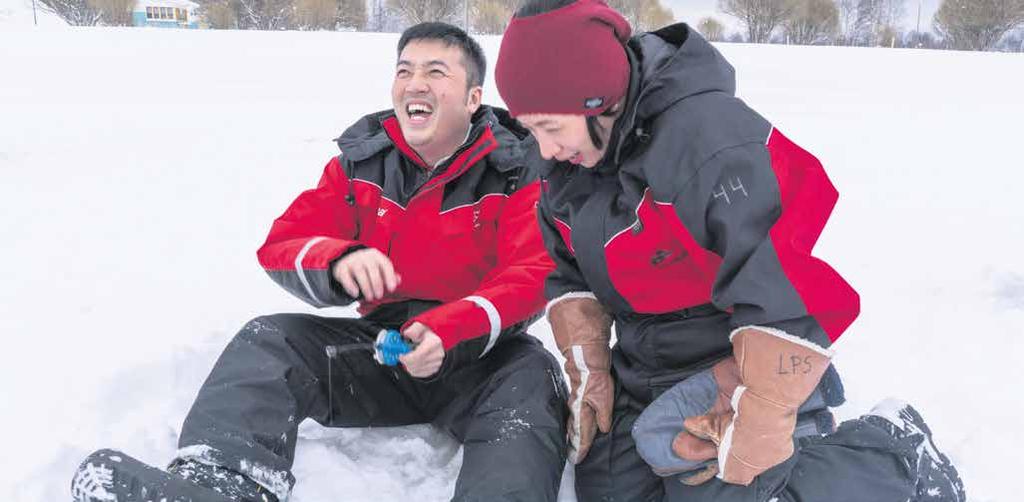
x,y
761,17
655,16
712,29
265,14
847,20
375,17
644,15
889,36
490,17
812,22
315,14
114,12
219,14
75,12
1014,42
921,40
892,12
977,25
878,21
419,11
864,27
351,14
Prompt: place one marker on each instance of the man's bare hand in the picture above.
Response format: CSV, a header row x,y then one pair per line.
x,y
367,271
425,360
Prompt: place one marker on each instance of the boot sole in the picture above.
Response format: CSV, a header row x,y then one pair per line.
x,y
112,476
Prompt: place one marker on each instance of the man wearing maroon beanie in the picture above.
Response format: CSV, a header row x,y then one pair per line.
x,y
678,214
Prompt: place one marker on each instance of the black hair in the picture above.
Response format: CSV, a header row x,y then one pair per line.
x,y
535,7
473,58
592,126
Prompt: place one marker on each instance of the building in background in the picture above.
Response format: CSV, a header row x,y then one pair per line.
x,y
165,14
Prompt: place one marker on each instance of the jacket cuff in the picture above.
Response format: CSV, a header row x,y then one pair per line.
x,y
310,277
568,296
461,320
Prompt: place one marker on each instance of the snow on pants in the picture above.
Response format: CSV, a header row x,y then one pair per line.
x,y
507,408
859,462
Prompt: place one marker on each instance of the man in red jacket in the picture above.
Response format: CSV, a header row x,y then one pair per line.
x,y
428,220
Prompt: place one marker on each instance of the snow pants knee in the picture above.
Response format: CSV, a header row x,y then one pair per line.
x,y
507,408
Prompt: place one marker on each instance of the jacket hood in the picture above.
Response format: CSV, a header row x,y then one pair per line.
x,y
667,66
677,63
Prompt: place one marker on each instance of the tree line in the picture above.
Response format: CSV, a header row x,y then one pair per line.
x,y
958,24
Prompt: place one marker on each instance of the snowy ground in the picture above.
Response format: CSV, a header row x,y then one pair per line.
x,y
141,168
16,15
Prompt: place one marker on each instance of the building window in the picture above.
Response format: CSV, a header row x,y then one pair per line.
x,y
168,13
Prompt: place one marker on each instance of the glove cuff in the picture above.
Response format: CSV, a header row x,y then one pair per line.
x,y
779,367
778,333
581,322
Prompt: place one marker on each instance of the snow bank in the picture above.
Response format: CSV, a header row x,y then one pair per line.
x,y
17,15
141,169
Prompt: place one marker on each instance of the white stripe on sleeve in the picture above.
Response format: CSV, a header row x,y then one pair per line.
x,y
302,273
493,316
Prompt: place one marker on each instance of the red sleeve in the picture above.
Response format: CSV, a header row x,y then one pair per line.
x,y
317,228
514,290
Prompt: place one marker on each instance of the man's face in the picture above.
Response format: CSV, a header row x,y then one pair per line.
x,y
431,98
565,138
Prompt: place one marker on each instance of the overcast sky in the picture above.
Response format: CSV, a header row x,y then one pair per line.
x,y
692,10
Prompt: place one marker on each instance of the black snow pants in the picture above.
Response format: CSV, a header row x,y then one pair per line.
x,y
858,462
507,408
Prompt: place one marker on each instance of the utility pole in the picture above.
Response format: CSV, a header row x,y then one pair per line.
x,y
917,32
919,17
35,20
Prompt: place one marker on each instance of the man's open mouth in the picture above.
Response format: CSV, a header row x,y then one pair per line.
x,y
419,113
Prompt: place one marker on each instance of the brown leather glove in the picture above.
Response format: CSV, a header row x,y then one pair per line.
x,y
777,372
582,331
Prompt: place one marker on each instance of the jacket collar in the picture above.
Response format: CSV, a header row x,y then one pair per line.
x,y
378,132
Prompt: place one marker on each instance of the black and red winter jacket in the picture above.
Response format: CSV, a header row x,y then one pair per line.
x,y
700,219
463,234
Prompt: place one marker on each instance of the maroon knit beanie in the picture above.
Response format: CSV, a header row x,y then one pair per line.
x,y
568,61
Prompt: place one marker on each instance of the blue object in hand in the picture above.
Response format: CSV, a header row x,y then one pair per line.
x,y
390,344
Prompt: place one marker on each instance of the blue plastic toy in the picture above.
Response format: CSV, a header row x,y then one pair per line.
x,y
389,346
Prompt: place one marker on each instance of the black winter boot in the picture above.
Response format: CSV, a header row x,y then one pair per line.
x,y
937,479
112,476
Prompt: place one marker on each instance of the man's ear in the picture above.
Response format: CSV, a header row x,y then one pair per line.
x,y
474,99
